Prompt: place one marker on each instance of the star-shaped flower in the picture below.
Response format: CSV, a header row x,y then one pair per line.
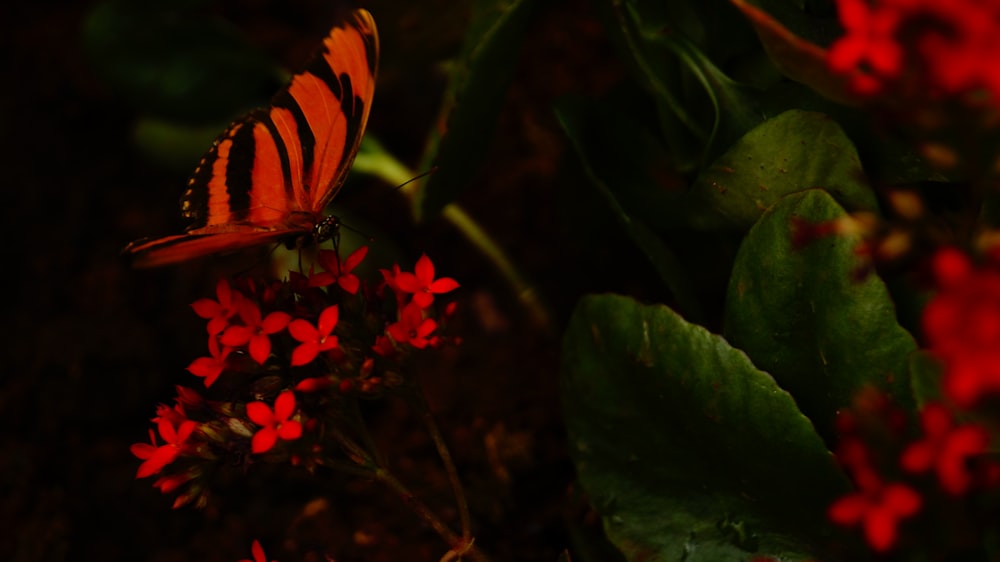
x,y
422,283
255,331
315,339
274,423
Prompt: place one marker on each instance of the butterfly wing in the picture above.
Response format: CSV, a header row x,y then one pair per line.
x,y
182,247
270,175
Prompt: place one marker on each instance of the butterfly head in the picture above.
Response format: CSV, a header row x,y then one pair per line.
x,y
327,229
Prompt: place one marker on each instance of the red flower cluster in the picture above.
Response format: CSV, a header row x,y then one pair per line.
x,y
950,46
946,449
255,330
873,445
878,505
961,324
294,351
962,327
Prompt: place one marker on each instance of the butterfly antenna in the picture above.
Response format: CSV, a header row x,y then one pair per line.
x,y
415,178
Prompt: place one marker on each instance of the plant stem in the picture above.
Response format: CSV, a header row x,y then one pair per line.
x,y
460,546
463,546
475,234
375,160
419,403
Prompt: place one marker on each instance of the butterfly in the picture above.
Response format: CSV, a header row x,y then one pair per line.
x,y
270,175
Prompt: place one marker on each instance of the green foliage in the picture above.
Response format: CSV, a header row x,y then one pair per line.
x,y
472,100
695,446
792,152
687,450
639,187
700,109
172,60
803,315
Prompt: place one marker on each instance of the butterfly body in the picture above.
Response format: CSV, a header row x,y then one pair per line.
x,y
271,174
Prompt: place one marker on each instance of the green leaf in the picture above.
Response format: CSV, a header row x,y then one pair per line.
x,y
575,119
795,151
700,109
798,58
173,61
472,101
925,377
612,139
172,144
805,317
686,449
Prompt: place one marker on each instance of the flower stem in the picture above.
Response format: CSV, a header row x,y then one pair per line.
x,y
419,403
375,160
461,547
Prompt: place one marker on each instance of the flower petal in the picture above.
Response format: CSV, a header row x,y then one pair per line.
x,y
263,440
275,322
284,406
328,320
302,330
305,353
260,413
424,270
290,430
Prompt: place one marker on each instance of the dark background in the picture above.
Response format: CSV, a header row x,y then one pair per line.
x,y
92,346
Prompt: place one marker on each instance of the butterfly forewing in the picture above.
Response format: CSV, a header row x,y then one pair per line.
x,y
270,175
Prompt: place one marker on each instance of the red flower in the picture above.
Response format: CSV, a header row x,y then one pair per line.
x,y
422,283
171,482
257,551
946,449
339,272
218,312
314,338
210,367
314,384
962,327
274,424
158,457
953,45
412,327
869,45
384,347
879,509
255,330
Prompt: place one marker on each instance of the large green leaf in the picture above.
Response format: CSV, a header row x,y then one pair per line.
x,y
803,314
795,151
473,100
686,449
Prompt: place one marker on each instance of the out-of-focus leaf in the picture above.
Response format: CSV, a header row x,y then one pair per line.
x,y
798,58
686,449
472,101
700,109
625,153
803,315
173,145
173,61
925,377
792,152
575,119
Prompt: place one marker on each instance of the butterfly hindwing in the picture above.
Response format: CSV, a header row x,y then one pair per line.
x,y
270,175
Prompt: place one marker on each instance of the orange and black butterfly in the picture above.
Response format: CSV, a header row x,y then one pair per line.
x,y
271,174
